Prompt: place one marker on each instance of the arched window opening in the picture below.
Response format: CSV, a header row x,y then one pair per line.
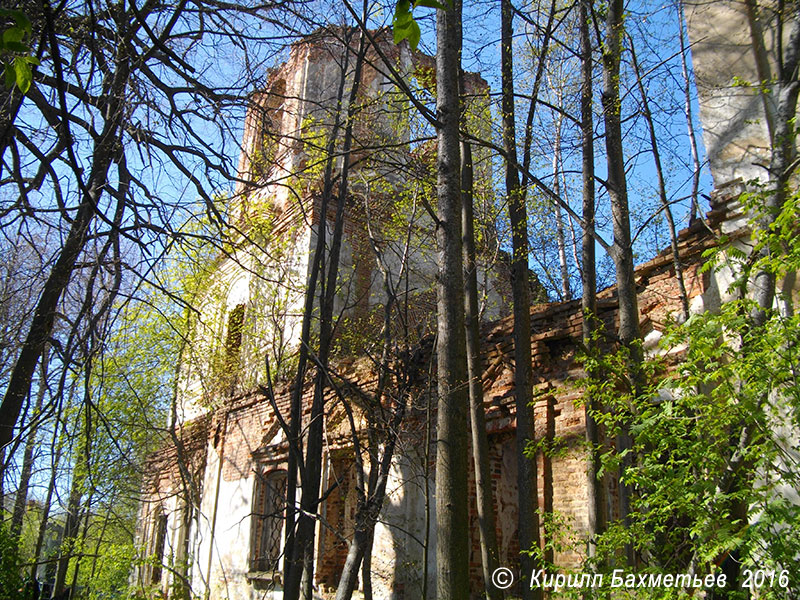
x,y
269,498
159,544
233,341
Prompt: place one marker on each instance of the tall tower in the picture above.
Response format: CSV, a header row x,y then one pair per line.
x,y
252,306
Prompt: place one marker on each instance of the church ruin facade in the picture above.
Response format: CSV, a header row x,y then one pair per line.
x,y
213,499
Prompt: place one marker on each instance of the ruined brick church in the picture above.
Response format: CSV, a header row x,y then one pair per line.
x,y
213,499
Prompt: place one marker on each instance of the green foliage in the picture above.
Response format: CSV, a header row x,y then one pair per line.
x,y
404,25
10,563
714,431
17,62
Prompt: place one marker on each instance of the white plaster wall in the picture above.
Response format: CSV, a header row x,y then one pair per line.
x,y
397,546
732,112
230,547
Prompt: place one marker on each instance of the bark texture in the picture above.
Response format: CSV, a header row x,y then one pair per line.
x,y
452,528
594,488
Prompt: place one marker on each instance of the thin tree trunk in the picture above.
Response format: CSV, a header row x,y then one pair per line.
x,y
687,107
72,521
452,527
480,442
369,509
55,453
763,69
223,439
520,282
44,315
374,492
426,471
20,502
622,250
594,489
366,569
566,292
312,475
84,534
781,166
293,560
537,82
662,187
98,544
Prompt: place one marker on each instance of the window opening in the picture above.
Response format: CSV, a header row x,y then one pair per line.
x,y
233,341
158,547
269,498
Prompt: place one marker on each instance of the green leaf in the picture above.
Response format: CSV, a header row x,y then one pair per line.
x,y
413,37
402,26
20,18
405,27
12,35
10,75
403,8
429,4
24,74
16,47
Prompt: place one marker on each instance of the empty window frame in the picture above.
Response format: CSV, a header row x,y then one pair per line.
x,y
233,341
159,544
266,540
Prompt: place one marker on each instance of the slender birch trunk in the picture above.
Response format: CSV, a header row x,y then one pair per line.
x,y
520,281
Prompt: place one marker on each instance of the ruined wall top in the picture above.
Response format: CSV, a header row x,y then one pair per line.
x,y
289,119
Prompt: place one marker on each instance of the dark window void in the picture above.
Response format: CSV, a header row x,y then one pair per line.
x,y
233,341
160,539
269,498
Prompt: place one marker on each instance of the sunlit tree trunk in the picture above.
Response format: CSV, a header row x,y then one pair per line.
x,y
687,107
662,186
594,491
26,469
452,527
566,292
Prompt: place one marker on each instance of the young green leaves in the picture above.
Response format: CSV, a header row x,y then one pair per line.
x,y
17,62
404,26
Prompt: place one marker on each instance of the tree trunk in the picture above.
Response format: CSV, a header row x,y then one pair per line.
x,y
566,292
452,527
480,442
594,488
44,314
537,82
662,187
293,560
622,251
73,517
781,166
21,500
303,552
55,452
694,209
520,282
79,558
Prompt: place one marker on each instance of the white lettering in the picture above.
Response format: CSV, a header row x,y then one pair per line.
x,y
535,578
